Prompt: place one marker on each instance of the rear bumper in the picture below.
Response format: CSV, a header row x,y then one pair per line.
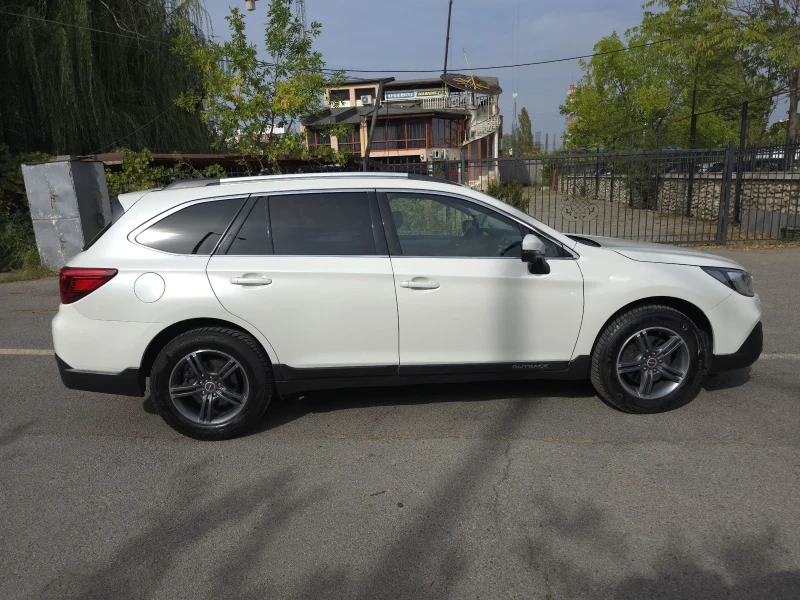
x,y
125,383
745,356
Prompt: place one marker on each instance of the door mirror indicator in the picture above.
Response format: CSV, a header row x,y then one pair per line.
x,y
533,251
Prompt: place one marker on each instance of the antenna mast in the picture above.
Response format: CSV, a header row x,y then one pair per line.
x,y
300,11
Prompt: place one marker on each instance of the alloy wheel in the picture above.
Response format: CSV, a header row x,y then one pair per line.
x,y
209,387
653,362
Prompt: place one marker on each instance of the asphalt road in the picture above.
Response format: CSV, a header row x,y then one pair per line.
x,y
534,490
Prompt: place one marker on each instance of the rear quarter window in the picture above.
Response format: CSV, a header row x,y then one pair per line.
x,y
195,229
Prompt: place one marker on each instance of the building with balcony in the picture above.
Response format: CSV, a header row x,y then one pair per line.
x,y
418,120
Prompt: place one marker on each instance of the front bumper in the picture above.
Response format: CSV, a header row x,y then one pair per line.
x,y
125,383
745,356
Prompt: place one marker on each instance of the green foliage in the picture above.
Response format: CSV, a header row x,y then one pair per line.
x,y
525,133
95,74
139,173
17,243
702,51
242,99
12,186
512,193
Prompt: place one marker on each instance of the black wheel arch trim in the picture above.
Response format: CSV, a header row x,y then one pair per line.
x,y
124,383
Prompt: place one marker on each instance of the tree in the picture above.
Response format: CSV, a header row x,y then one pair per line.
x,y
247,102
82,76
772,28
524,132
689,55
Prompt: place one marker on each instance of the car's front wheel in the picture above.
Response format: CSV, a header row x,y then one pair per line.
x,y
211,383
650,359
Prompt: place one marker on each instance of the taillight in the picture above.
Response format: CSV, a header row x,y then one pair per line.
x,y
74,283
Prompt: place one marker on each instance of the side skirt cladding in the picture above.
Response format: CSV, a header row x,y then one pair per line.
x,y
290,380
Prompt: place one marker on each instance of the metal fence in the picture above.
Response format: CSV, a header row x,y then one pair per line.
x,y
686,197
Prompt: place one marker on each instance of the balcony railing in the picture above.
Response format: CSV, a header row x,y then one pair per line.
x,y
459,101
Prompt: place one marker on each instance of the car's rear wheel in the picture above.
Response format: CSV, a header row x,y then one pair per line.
x,y
211,383
650,359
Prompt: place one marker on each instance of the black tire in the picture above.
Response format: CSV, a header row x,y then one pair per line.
x,y
612,342
253,363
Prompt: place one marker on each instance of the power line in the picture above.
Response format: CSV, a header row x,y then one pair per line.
x,y
137,130
331,70
76,26
528,64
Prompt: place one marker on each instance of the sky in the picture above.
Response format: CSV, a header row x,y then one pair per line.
x,y
410,34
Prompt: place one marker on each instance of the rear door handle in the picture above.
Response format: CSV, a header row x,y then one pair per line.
x,y
419,285
251,281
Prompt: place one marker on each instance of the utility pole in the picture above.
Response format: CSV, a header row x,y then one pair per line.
x,y
447,39
737,199
693,123
692,139
300,10
514,124
365,161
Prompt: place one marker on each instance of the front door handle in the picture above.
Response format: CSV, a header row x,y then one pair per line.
x,y
419,285
251,280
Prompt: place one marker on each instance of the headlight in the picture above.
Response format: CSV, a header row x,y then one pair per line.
x,y
737,280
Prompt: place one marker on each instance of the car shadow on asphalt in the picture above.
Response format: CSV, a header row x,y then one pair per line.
x,y
726,381
284,410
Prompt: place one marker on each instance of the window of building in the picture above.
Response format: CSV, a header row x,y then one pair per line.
x,y
340,96
399,134
317,138
193,230
365,92
434,225
321,224
445,133
253,238
351,142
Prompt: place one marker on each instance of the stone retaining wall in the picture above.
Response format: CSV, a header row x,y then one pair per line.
x,y
771,192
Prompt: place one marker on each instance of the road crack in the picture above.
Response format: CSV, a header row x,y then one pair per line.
x,y
503,478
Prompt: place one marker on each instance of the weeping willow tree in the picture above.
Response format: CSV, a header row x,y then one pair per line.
x,y
86,76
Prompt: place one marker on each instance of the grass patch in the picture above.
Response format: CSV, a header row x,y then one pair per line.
x,y
19,256
27,274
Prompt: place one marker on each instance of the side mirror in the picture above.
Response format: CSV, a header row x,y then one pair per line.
x,y
533,251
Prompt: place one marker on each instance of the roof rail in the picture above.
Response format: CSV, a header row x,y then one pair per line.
x,y
334,175
190,183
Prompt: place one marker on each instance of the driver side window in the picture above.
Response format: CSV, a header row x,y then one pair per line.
x,y
434,225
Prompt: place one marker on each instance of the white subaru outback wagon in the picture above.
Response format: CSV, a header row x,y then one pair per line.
x,y
227,292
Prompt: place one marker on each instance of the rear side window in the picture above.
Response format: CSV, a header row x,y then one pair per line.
x,y
322,224
253,237
193,230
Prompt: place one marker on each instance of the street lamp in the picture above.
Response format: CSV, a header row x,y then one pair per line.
x,y
250,4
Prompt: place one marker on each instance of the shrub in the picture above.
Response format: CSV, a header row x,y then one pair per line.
x,y
17,244
512,192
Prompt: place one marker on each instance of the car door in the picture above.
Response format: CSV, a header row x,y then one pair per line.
x,y
311,272
465,299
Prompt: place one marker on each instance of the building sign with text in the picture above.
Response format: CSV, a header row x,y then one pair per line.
x,y
413,95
